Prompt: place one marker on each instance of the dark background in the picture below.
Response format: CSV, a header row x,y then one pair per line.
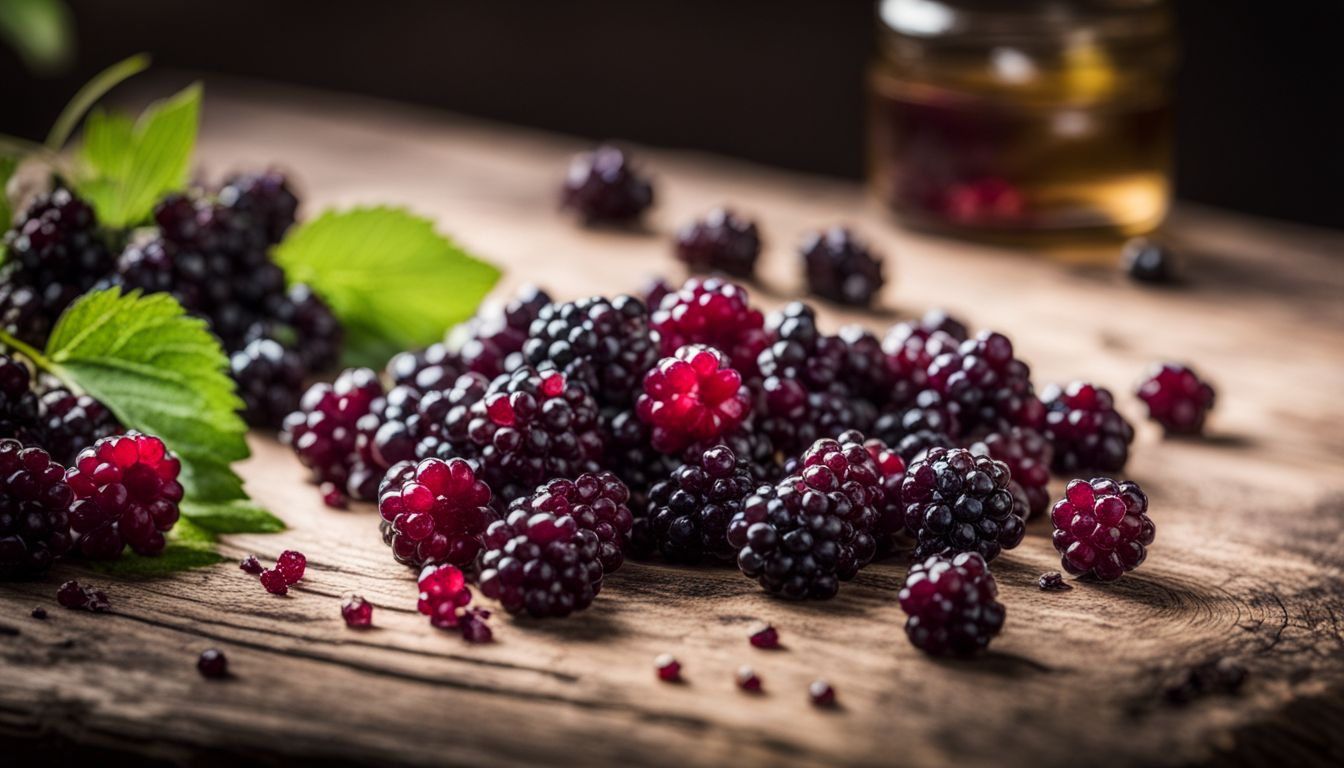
x,y
1260,127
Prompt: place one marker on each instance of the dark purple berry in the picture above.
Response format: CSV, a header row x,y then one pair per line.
x,y
1102,528
765,637
20,408
603,344
601,186
70,423
1053,581
324,431
265,198
1085,429
952,605
127,494
720,242
35,503
956,501
667,668
251,564
356,611
654,291
713,312
841,268
435,511
76,597
596,501
1149,262
270,381
1176,398
213,664
39,613
540,564
689,511
495,343
985,387
474,623
1027,454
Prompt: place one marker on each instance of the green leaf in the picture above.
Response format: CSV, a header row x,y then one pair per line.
x,y
87,96
392,279
240,516
41,31
130,167
188,546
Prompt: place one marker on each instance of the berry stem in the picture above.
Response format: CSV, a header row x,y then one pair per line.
x,y
37,358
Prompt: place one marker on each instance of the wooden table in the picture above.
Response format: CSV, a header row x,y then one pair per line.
x,y
1247,564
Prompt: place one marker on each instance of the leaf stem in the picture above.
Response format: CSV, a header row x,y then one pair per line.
x,y
87,96
38,359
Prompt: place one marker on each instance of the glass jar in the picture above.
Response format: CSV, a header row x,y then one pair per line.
x,y
1032,117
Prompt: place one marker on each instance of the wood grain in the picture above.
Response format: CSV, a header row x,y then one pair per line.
x,y
1248,563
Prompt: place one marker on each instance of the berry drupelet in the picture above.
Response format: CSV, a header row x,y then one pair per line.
x,y
127,495
604,344
598,503
34,510
1146,261
691,397
713,312
356,611
1085,430
841,268
720,242
1102,528
53,255
952,605
601,186
689,511
435,511
540,564
1176,398
956,501
1027,454
323,431
985,386
270,380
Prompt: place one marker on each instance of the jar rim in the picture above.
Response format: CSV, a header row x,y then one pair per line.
x,y
1036,21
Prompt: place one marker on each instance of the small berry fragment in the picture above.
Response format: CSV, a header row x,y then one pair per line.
x,y
291,565
76,597
821,693
1053,581
251,564
952,605
748,680
765,637
474,626
274,582
1102,528
213,664
1177,398
667,668
39,613
356,611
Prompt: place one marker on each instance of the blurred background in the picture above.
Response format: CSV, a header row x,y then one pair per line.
x,y
788,83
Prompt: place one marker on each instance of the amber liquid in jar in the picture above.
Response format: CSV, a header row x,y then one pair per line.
x,y
1020,132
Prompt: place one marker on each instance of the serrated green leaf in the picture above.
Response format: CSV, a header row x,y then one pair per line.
x,y
392,279
42,31
160,371
130,167
239,516
188,546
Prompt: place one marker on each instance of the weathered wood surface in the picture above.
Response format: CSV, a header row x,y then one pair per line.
x,y
1247,564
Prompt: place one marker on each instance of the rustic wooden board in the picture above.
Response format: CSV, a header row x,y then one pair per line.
x,y
1247,564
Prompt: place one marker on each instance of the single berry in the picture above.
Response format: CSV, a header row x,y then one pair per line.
x,y
1053,581
35,503
443,593
291,565
332,496
356,611
1027,454
841,268
956,501
596,501
20,408
213,664
603,344
601,186
76,597
251,564
1177,398
270,381
1102,528
474,623
1148,262
1085,429
765,636
540,564
273,581
713,312
747,679
265,198
667,668
70,423
39,613
689,511
127,494
720,242
435,511
690,397
821,693
952,605
986,388
324,432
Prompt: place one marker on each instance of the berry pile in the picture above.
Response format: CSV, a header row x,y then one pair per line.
x,y
1102,528
127,493
952,605
720,242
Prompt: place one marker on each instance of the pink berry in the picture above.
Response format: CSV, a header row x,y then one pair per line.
x,y
291,566
668,668
274,582
356,611
692,396
443,590
748,680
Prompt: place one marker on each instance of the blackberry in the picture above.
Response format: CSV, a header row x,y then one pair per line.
x,y
985,386
127,495
265,198
1146,261
911,348
20,408
812,530
54,254
601,186
926,423
952,604
891,513
720,242
444,594
71,423
495,344
434,512
1176,398
34,510
692,396
323,431
1027,454
841,268
654,291
1102,528
303,322
1084,428
603,344
270,380
690,510
956,501
596,501
630,454
748,444
434,367
712,312
541,564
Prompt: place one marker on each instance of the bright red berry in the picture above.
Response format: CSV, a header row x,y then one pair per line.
x,y
291,565
434,512
356,611
443,591
127,495
274,582
667,668
692,396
